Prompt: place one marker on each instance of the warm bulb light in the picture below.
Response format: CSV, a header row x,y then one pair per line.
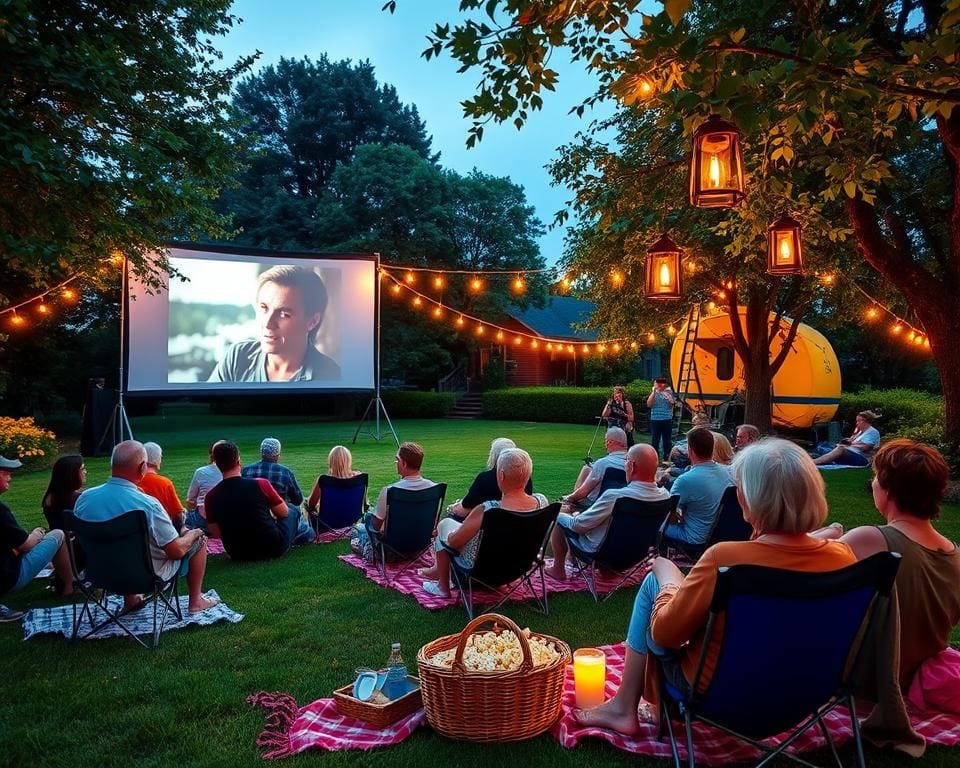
x,y
671,331
69,294
549,345
616,347
410,278
872,313
586,349
395,288
896,328
651,338
711,305
666,279
460,320
417,302
116,258
827,278
926,343
570,348
480,330
517,339
17,321
721,294
534,344
616,278
499,335
518,285
43,309
918,340
912,335
633,345
437,312
476,284
438,282
691,267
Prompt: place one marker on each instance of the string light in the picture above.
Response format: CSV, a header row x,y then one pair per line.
x,y
480,330
616,278
438,311
410,278
460,321
395,288
872,313
417,302
43,309
651,338
499,335
519,285
633,345
438,281
897,327
671,330
17,321
476,284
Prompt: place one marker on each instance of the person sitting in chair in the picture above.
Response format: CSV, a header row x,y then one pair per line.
x,y
23,555
409,460
782,496
699,489
484,486
856,450
514,467
590,526
254,522
160,487
339,464
587,488
746,434
168,550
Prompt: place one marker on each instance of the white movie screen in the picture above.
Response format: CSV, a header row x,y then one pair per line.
x,y
254,323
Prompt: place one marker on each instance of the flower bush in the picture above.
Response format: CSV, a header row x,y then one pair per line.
x,y
22,439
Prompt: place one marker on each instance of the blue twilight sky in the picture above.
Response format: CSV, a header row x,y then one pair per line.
x,y
358,29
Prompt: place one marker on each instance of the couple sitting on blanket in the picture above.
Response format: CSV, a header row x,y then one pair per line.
x,y
782,496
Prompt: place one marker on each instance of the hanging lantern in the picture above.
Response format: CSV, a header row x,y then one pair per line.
x,y
663,270
716,169
784,250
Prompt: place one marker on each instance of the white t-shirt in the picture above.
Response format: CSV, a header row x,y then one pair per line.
x,y
870,436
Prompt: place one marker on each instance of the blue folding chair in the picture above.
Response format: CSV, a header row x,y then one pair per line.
x,y
728,525
118,562
342,504
789,643
407,531
510,554
634,527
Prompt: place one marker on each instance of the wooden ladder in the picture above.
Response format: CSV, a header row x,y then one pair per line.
x,y
688,379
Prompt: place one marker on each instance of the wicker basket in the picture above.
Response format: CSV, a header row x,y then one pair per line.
x,y
491,706
378,715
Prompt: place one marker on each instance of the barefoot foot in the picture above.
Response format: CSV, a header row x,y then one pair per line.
x,y
611,716
202,604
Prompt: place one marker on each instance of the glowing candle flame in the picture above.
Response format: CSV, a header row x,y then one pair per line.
x,y
666,279
713,172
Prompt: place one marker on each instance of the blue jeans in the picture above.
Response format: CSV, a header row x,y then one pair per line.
x,y
639,639
195,520
296,530
661,431
185,560
34,561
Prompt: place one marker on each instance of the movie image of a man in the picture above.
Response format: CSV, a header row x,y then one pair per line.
x,y
290,305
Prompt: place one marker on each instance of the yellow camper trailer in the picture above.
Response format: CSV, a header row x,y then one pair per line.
x,y
806,388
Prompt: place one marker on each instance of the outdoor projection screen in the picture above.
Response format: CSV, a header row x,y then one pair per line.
x,y
248,321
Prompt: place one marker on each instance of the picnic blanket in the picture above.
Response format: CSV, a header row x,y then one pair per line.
x,y
215,546
712,746
59,619
409,583
291,729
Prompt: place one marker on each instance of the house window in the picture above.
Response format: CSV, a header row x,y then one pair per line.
x,y
725,363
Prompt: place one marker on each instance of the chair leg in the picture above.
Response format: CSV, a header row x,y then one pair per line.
x,y
688,725
665,719
857,739
829,739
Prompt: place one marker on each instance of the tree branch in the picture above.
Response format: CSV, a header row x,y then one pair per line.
x,y
739,339
791,337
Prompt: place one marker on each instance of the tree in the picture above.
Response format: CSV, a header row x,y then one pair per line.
x,y
838,94
114,131
302,121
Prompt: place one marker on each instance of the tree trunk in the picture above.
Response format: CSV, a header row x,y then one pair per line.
x,y
757,374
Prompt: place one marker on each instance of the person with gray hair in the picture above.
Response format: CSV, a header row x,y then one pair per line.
x,y
204,478
161,488
589,528
484,486
782,496
858,449
169,551
289,305
280,476
587,488
514,467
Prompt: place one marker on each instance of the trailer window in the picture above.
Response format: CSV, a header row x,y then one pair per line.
x,y
725,363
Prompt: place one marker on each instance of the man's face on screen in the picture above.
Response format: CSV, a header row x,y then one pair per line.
x,y
284,324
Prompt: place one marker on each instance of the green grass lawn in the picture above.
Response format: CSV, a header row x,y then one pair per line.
x,y
310,619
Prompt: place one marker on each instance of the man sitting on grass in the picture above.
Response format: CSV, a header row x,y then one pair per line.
x,y
587,488
160,487
168,550
588,528
248,513
281,477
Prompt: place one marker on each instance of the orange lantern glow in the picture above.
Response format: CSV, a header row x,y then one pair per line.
x,y
663,279
784,250
716,169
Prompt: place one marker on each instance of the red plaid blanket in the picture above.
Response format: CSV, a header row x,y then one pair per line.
x,y
409,583
291,729
713,747
215,546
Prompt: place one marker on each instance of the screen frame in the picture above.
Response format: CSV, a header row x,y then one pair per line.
x,y
231,391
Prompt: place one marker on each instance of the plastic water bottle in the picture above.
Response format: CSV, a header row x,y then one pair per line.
x,y
396,684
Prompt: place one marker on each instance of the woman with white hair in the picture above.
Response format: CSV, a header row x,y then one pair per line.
x,y
782,496
484,486
513,469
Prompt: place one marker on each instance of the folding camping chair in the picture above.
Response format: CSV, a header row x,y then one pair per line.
x,y
633,531
407,531
511,551
118,562
728,525
342,501
789,643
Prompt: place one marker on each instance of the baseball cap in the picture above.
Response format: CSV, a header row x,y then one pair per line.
x,y
6,463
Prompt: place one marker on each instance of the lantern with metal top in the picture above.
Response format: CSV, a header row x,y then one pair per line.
x,y
784,249
663,277
716,170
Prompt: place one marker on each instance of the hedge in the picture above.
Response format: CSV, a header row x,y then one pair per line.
x,y
409,404
903,412
572,405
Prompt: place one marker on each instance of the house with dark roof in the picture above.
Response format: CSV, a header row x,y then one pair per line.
x,y
548,363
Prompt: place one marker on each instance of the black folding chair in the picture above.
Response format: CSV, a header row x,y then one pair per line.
x,y
118,562
728,525
612,478
511,552
341,505
407,531
778,669
632,533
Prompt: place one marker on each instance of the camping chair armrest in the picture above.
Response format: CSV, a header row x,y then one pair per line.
x,y
661,533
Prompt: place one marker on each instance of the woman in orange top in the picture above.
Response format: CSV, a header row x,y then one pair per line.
x,y
782,496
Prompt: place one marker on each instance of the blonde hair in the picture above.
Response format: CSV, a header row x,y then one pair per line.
x,y
781,487
340,462
516,466
498,446
722,450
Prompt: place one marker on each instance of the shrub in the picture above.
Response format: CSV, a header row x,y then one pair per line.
x,y
572,405
21,439
410,404
899,409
